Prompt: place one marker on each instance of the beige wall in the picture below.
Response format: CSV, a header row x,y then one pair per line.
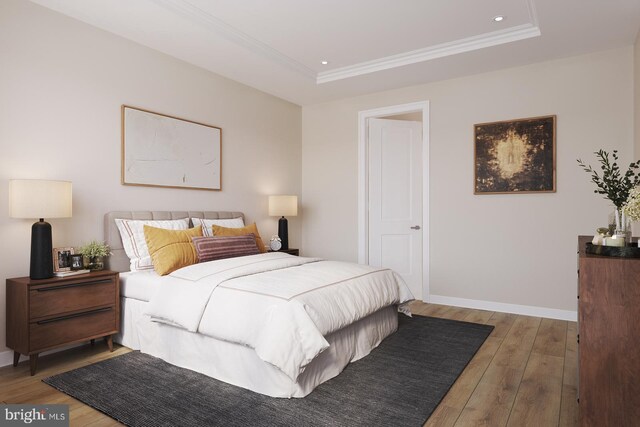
x,y
515,249
61,86
636,86
636,100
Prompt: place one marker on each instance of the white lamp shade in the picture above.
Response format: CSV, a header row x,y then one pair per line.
x,y
36,198
283,205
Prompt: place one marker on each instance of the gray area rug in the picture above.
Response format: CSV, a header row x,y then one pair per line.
x,y
399,384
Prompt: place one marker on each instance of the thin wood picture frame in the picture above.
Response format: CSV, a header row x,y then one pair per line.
x,y
61,259
515,156
159,150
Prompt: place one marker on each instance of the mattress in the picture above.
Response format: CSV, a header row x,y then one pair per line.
x,y
140,285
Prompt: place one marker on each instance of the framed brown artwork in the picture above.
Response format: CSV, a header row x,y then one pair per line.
x,y
62,259
515,156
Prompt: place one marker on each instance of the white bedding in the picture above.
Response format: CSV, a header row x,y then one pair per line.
x,y
240,365
280,305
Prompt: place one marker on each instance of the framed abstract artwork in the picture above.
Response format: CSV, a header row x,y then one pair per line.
x,y
166,151
515,156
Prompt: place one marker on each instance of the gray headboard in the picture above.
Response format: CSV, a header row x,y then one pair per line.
x,y
119,261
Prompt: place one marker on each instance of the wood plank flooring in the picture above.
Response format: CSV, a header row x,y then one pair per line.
x,y
524,374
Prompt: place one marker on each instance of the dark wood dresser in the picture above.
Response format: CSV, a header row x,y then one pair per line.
x,y
609,339
49,313
289,251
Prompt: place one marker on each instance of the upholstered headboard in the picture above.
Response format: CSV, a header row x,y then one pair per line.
x,y
119,261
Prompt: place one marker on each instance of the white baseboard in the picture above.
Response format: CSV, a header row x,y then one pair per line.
x,y
526,310
6,358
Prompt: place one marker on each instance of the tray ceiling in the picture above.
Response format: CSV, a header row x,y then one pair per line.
x,y
277,46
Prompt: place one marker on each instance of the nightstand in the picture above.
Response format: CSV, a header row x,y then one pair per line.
x,y
50,313
289,251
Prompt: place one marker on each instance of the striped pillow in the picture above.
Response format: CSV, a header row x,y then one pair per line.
x,y
212,248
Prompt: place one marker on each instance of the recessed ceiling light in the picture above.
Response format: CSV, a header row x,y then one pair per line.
x,y
324,62
498,18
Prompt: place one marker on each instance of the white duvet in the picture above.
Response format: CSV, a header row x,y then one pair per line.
x,y
280,305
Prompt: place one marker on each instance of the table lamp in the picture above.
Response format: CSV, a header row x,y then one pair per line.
x,y
283,206
35,198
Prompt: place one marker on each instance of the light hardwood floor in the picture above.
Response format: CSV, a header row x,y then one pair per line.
x,y
524,374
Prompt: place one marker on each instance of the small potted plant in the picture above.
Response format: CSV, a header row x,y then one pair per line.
x,y
94,253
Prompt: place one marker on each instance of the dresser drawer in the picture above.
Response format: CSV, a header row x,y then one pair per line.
x,y
62,298
65,329
43,314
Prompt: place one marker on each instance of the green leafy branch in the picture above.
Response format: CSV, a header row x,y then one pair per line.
x,y
614,185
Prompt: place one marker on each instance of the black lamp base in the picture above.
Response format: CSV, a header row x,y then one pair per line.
x,y
41,247
283,232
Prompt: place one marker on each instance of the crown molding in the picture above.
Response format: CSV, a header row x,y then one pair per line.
x,y
210,22
533,14
468,44
495,38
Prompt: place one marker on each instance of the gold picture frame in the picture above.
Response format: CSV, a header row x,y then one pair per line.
x,y
515,156
61,259
159,150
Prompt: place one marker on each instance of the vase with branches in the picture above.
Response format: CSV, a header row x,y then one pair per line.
x,y
614,185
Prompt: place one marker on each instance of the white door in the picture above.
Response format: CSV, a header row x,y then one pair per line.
x,y
395,199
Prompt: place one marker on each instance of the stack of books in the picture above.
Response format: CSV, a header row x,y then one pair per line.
x,y
70,273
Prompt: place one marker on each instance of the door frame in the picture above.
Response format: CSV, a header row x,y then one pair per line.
x,y
363,182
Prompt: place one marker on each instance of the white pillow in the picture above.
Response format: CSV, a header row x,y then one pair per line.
x,y
132,234
207,223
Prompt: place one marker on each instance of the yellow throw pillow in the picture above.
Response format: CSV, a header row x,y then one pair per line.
x,y
171,249
249,229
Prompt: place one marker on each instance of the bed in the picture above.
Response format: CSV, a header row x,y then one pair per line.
x,y
273,323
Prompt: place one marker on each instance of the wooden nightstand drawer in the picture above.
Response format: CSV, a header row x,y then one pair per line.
x,y
73,327
47,313
48,300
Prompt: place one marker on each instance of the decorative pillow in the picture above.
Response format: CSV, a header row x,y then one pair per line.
x,y
212,248
135,246
207,223
171,249
249,229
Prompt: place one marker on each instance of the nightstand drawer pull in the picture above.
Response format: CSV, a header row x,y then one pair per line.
x,y
72,316
73,285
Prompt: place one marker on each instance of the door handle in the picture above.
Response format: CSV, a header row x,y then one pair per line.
x,y
415,227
